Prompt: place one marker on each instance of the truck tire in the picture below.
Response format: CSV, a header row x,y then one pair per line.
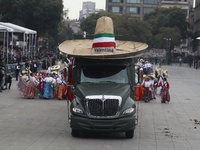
x,y
75,133
129,134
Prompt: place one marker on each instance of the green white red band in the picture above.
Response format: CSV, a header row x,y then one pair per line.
x,y
104,40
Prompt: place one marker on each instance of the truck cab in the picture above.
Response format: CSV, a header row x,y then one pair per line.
x,y
103,96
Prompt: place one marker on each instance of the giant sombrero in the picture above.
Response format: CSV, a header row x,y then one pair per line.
x,y
103,44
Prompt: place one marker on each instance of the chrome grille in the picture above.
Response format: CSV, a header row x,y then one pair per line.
x,y
103,105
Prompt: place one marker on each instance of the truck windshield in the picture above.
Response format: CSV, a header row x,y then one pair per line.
x,y
98,74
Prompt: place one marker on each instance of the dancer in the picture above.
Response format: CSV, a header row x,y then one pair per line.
x,y
31,86
62,87
165,96
48,87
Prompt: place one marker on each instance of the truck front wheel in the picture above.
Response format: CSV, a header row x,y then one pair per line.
x,y
75,133
130,134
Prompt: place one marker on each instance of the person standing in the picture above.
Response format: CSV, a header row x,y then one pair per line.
x,y
147,85
180,61
17,71
35,65
62,87
48,87
31,86
67,63
165,96
8,81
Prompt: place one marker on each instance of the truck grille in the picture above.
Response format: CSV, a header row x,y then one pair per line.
x,y
103,105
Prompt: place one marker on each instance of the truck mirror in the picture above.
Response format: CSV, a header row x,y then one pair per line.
x,y
72,89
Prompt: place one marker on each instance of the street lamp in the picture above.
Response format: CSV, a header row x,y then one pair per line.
x,y
168,48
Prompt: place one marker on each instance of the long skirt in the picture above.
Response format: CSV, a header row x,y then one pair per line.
x,y
61,91
48,90
30,90
139,92
165,96
147,94
40,87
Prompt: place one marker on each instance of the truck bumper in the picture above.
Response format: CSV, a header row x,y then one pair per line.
x,y
108,125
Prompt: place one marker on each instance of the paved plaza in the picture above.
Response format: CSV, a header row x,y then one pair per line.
x,y
38,124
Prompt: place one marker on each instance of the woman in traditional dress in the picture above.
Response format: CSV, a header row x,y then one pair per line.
x,y
41,84
165,96
62,87
154,86
147,84
31,86
48,87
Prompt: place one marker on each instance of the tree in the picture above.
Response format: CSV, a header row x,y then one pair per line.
x,y
167,33
167,22
43,16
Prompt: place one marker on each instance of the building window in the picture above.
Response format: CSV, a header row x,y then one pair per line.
x,y
115,9
116,1
133,10
132,1
150,1
148,9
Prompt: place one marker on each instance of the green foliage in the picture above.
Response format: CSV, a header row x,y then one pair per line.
x,y
43,16
167,23
167,33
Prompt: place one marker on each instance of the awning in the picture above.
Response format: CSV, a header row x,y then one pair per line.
x,y
4,28
18,28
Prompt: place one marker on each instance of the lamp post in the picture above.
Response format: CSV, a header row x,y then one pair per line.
x,y
168,49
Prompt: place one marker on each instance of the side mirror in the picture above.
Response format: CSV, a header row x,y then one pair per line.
x,y
72,89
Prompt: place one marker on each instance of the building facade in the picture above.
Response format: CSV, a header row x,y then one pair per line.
x,y
140,7
88,8
137,8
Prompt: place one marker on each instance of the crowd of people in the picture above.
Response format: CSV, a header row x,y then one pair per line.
x,y
49,84
44,85
151,82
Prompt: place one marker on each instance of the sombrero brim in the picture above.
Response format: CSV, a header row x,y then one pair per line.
x,y
83,48
55,67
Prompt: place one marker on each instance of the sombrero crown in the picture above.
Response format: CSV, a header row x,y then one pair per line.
x,y
103,44
104,38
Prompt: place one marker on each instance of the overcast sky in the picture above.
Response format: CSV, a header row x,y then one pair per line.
x,y
75,6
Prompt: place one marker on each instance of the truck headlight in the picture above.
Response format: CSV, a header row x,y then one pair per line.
x,y
77,110
128,111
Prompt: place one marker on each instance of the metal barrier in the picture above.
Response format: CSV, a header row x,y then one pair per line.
x,y
10,69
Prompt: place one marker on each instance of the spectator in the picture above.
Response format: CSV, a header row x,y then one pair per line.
x,y
35,66
17,71
8,81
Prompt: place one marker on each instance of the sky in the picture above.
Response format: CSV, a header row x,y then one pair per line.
x,y
75,6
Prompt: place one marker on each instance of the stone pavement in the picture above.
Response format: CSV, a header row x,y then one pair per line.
x,y
37,124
